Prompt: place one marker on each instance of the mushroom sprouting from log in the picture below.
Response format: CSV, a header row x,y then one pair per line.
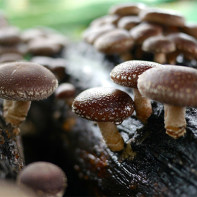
x,y
45,178
126,74
108,107
176,87
22,82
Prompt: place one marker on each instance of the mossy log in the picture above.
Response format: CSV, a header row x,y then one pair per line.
x,y
162,166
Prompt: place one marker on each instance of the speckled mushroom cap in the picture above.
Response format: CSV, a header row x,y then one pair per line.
x,y
161,16
103,104
174,85
144,30
25,81
125,9
184,42
158,44
127,73
114,42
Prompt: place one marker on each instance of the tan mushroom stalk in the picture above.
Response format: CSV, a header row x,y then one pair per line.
x,y
22,82
176,87
108,107
126,74
44,178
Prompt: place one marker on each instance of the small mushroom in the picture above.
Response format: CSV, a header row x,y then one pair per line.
x,y
117,42
176,87
66,92
45,178
159,46
191,29
108,107
22,82
126,74
128,22
185,44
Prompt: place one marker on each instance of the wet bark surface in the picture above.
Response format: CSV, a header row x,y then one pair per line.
x,y
162,166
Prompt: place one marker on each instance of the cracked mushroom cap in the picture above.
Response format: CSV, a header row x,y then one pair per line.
x,y
26,81
103,104
158,44
174,85
114,42
127,73
161,16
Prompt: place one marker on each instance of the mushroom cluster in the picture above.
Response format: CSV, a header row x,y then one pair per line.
x,y
136,31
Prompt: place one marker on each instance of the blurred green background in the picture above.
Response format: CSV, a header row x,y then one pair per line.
x,y
71,17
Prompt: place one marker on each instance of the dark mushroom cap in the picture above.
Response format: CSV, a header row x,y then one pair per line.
x,y
161,16
143,31
184,42
65,90
174,85
43,176
114,42
158,44
25,81
127,73
103,104
125,9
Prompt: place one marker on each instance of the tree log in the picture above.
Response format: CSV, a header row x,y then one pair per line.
x,y
162,166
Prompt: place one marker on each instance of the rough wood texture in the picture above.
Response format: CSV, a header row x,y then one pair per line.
x,y
162,166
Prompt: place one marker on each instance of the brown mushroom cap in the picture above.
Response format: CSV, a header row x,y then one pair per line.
x,y
128,22
144,30
161,16
173,85
125,9
127,73
158,44
184,42
103,104
65,90
190,29
43,176
25,81
114,42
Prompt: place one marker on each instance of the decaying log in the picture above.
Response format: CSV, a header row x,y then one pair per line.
x,y
162,166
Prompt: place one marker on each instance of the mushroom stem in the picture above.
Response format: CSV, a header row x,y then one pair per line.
x,y
175,123
160,58
15,112
143,106
111,135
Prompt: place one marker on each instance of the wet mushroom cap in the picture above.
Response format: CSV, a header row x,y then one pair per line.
x,y
126,73
174,85
103,104
26,81
161,16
